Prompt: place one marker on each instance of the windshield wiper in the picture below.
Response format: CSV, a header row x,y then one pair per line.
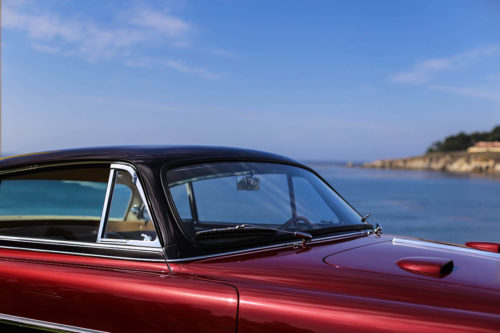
x,y
231,231
249,229
342,228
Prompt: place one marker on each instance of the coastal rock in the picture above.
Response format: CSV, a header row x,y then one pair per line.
x,y
487,162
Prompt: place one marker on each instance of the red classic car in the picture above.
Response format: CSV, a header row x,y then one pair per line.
x,y
199,239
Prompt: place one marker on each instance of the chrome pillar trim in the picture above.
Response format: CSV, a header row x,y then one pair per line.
x,y
444,246
112,178
45,325
269,247
107,204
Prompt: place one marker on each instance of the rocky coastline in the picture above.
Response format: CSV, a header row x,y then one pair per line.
x,y
461,162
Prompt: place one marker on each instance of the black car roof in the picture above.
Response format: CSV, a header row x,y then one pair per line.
x,y
143,155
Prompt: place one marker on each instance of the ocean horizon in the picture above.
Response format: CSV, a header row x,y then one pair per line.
x,y
445,207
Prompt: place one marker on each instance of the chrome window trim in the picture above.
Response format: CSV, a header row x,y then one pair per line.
x,y
443,246
109,246
269,247
37,324
84,254
107,205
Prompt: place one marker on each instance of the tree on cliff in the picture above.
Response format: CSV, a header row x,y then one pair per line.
x,y
462,141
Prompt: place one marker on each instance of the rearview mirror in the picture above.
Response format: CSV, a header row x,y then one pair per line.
x,y
248,183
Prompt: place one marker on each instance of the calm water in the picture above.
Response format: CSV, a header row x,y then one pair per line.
x,y
431,205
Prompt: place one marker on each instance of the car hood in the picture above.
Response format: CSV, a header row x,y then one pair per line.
x,y
368,267
395,256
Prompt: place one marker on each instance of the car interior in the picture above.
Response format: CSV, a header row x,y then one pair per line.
x,y
67,204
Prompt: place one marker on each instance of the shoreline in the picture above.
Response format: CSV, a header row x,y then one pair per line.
x,y
485,163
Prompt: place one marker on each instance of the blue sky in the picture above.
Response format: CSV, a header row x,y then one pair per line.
x,y
321,80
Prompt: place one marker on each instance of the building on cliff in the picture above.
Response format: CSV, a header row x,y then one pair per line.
x,y
483,147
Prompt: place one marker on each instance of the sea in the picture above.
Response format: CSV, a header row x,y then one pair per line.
x,y
446,207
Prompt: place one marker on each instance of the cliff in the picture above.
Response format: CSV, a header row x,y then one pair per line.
x,y
488,162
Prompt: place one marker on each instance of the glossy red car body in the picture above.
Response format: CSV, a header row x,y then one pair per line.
x,y
357,282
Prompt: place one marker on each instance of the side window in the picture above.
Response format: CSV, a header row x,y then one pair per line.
x,y
61,204
128,218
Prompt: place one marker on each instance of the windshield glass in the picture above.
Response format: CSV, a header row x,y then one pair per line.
x,y
231,194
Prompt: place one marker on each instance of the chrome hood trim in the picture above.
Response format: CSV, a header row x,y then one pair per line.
x,y
43,325
444,246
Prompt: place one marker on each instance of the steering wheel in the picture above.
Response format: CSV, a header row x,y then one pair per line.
x,y
297,222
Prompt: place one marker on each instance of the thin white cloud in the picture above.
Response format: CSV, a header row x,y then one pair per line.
x,y
174,64
71,36
39,27
488,94
164,23
68,36
46,48
426,71
185,68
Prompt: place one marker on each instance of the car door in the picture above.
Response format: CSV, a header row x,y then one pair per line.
x,y
80,252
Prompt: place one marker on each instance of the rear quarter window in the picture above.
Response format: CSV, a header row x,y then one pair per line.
x,y
63,204
32,197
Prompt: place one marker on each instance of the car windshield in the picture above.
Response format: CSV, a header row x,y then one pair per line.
x,y
234,196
